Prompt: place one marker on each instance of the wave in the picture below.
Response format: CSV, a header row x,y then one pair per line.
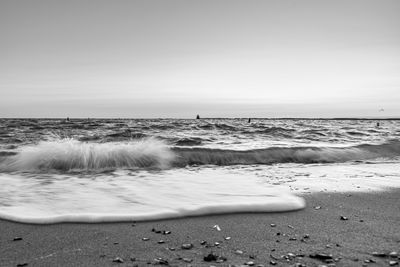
x,y
278,203
205,156
70,154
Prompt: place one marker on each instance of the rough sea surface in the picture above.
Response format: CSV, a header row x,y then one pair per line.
x,y
95,170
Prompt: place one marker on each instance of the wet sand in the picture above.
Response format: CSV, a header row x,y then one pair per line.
x,y
281,239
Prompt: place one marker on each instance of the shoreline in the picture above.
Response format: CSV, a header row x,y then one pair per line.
x,y
304,237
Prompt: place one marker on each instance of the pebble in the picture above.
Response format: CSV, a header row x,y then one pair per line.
x,y
393,254
161,242
239,252
203,242
166,232
321,256
217,227
378,254
22,264
145,239
118,259
187,260
291,227
292,239
272,262
393,263
161,261
273,225
210,257
317,207
187,246
343,218
228,238
250,263
17,238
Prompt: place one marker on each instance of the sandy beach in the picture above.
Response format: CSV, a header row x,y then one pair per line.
x,y
335,229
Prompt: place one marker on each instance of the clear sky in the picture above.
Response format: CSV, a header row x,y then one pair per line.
x,y
166,58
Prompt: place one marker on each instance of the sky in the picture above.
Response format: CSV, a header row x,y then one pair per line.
x,y
216,58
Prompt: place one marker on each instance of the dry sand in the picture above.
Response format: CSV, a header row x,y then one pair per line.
x,y
373,225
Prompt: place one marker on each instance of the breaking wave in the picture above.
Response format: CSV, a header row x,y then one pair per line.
x,y
71,154
201,156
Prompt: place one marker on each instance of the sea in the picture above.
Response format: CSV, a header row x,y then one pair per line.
x,y
108,170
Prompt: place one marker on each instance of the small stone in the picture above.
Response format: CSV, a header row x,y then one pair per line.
x,y
378,254
343,218
393,254
250,263
118,260
306,236
187,246
272,262
161,261
328,246
22,264
228,238
166,232
291,255
317,207
210,257
273,225
217,227
145,239
291,227
133,259
116,243
203,242
161,242
278,233
217,243
292,239
171,249
393,263
321,256
17,238
187,260
239,252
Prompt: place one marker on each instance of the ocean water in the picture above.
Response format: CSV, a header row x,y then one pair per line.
x,y
98,170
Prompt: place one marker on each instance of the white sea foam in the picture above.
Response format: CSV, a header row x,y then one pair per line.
x,y
149,195
125,196
70,154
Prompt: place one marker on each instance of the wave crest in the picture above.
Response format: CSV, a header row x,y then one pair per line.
x,y
70,154
202,156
